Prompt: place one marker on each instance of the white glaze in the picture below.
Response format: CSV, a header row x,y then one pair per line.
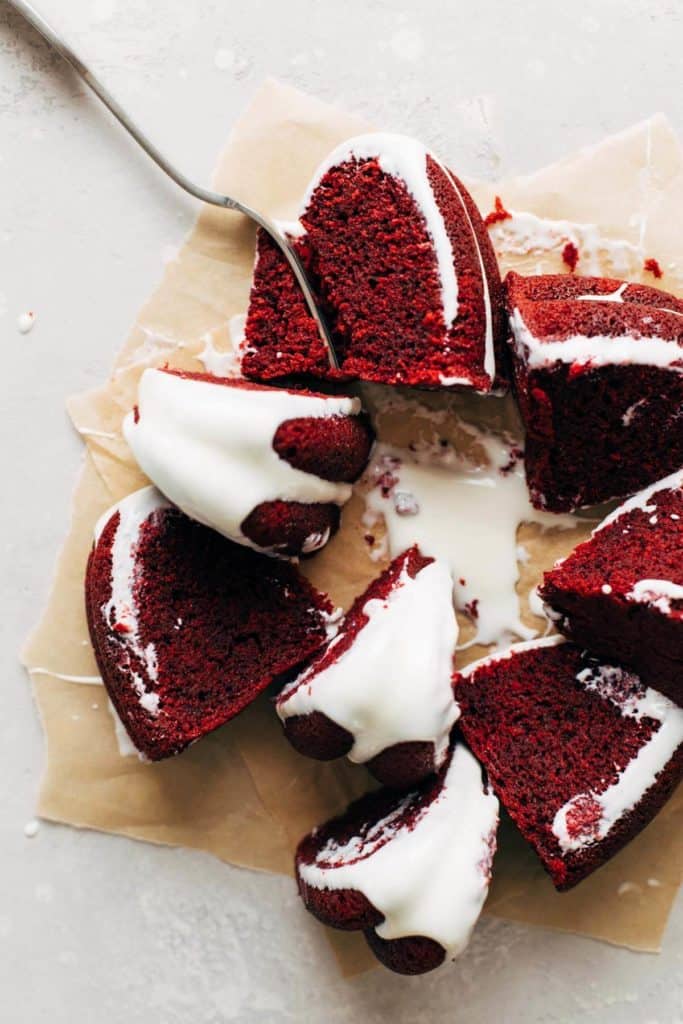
x,y
83,680
640,773
596,350
656,593
641,500
525,233
616,296
123,741
406,159
468,518
209,448
121,608
393,684
431,879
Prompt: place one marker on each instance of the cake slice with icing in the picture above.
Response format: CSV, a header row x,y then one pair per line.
x,y
579,751
620,593
266,467
405,272
598,372
410,871
380,691
187,627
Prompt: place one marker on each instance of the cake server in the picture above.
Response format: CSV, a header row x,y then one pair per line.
x,y
34,18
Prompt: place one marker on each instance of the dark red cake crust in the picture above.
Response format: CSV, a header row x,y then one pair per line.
x,y
543,739
387,323
602,432
588,592
225,623
401,765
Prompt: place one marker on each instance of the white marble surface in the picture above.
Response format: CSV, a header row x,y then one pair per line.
x,y
98,929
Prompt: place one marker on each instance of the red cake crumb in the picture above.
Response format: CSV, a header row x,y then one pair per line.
x,y
210,625
497,214
651,265
591,593
595,429
367,248
315,735
554,729
570,256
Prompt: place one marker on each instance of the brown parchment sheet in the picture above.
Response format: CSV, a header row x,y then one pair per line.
x,y
242,793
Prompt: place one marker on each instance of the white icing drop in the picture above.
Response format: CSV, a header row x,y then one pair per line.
x,y
468,518
604,809
209,447
121,608
596,350
525,233
25,322
657,593
431,879
641,500
393,684
31,828
630,413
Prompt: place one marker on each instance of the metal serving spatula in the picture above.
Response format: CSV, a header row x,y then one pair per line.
x,y
227,202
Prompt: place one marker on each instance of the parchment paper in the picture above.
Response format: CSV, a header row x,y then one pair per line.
x,y
242,793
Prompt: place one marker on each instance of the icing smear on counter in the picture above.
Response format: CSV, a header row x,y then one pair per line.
x,y
393,684
224,362
523,234
429,877
588,817
466,515
209,448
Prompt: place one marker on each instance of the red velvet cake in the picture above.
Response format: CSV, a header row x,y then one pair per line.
x,y
266,467
581,754
411,871
620,594
405,272
598,371
380,691
188,628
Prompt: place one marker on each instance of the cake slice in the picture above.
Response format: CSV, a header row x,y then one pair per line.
x,y
580,752
598,372
620,593
380,690
405,272
410,871
187,627
266,467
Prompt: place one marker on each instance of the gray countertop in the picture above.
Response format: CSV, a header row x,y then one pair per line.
x,y
98,929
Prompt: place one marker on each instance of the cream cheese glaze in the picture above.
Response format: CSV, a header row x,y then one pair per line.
x,y
209,448
598,350
393,684
121,608
431,877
